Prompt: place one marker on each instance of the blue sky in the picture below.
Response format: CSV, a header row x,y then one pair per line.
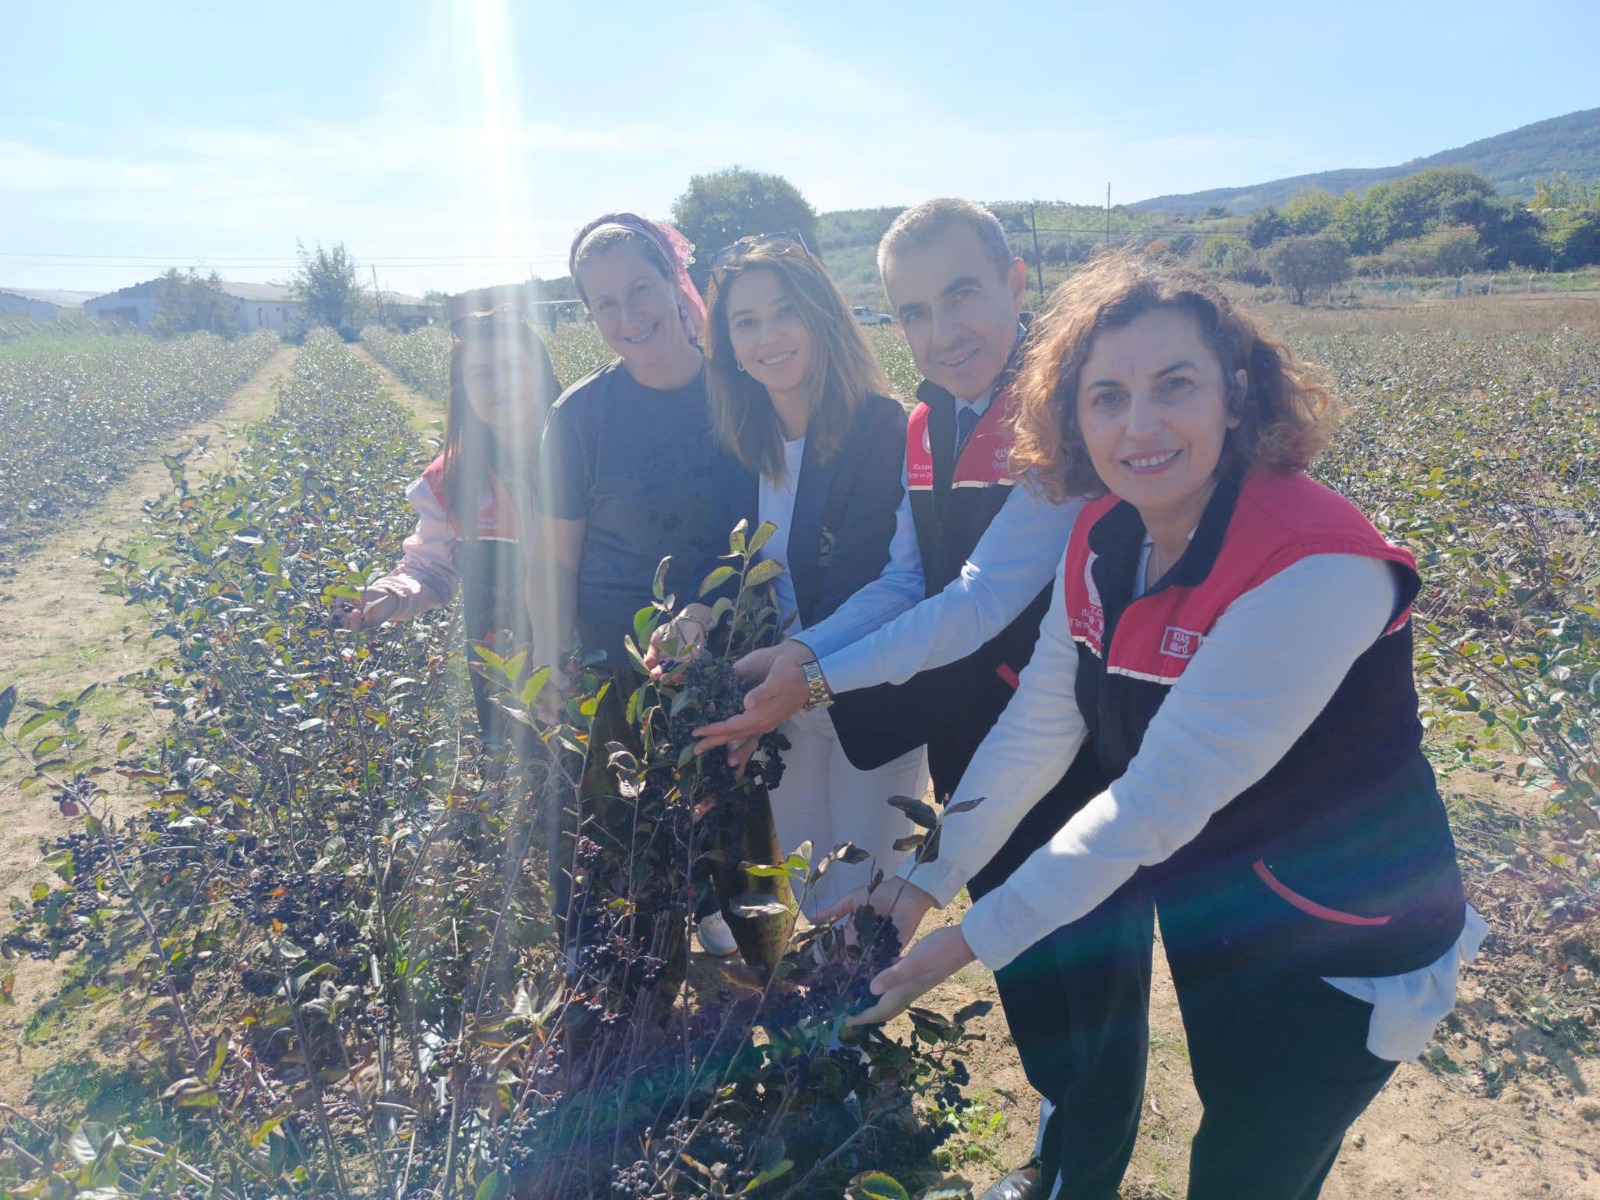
x,y
458,143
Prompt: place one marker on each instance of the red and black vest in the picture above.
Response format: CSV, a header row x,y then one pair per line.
x,y
1340,858
953,500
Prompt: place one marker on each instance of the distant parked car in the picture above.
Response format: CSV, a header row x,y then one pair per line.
x,y
865,316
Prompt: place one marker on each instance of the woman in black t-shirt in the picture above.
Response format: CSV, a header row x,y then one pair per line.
x,y
627,460
628,464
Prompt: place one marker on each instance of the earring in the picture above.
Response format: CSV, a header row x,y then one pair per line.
x,y
740,365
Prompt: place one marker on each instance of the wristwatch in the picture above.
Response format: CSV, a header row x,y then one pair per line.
x,y
818,693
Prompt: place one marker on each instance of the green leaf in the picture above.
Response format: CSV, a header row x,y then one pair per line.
x,y
535,685
8,701
766,569
716,579
644,623
736,538
658,585
875,1185
38,721
762,536
782,1167
763,870
489,1188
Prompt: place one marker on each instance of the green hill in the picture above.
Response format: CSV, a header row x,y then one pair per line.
x,y
1512,161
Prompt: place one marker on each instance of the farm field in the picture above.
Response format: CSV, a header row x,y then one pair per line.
x,y
80,410
236,965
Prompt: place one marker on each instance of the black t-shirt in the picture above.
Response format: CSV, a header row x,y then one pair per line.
x,y
641,466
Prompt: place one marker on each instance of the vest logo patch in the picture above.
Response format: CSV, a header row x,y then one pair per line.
x,y
1179,643
1090,623
919,452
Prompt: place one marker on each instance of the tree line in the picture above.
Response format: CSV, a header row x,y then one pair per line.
x,y
1444,221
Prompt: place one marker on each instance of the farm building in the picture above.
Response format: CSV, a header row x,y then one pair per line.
x,y
405,313
34,302
258,305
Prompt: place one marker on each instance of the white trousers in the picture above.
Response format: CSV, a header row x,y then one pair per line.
x,y
826,801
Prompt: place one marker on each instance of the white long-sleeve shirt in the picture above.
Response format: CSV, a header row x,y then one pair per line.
x,y
872,638
1254,687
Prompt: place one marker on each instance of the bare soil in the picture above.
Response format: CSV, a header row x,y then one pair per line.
x,y
1444,1126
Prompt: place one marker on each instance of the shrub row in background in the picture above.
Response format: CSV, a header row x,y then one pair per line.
x,y
79,412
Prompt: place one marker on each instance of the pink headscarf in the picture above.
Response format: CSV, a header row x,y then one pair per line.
x,y
675,250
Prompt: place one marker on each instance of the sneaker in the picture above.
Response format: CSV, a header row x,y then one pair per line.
x,y
715,938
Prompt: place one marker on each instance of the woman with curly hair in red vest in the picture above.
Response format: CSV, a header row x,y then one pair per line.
x,y
1234,641
475,503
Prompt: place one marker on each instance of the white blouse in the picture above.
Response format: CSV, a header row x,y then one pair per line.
x,y
776,504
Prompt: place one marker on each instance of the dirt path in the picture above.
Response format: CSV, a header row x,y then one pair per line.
x,y
427,414
1499,1108
59,633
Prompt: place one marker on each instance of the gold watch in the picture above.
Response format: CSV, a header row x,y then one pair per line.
x,y
818,693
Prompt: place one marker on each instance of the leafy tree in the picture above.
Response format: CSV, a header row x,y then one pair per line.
x,y
1265,226
1572,238
1362,219
1310,212
1562,191
1231,257
1511,234
193,303
1307,264
1437,196
727,205
328,284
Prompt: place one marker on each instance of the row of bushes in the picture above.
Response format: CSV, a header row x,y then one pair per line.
x,y
326,933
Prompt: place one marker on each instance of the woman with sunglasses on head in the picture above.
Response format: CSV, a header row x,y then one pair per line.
x,y
629,466
798,398
474,502
1232,641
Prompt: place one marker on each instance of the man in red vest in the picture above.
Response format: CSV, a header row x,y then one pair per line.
x,y
948,626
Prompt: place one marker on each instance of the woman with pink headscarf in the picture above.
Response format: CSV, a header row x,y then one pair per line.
x,y
628,456
628,466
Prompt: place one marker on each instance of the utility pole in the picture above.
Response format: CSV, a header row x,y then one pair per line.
x,y
1108,216
376,294
1038,259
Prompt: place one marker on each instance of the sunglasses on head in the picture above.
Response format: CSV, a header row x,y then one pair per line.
x,y
780,242
478,326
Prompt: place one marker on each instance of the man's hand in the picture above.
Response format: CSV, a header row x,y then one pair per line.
x,y
926,965
779,697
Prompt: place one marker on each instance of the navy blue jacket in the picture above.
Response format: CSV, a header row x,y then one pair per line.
x,y
844,510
